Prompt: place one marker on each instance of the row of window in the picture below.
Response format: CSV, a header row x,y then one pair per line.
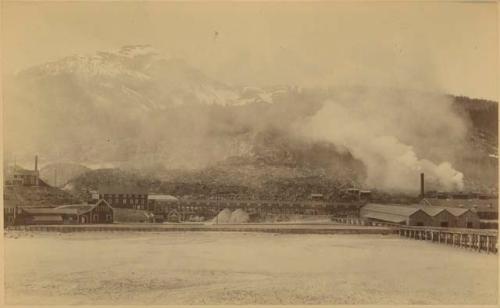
x,y
123,195
126,201
102,209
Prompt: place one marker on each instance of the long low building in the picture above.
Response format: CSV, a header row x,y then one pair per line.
x,y
419,215
486,209
98,213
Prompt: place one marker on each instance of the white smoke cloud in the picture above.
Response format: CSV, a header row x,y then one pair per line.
x,y
384,129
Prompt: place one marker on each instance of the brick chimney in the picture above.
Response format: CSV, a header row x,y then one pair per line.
x,y
422,185
36,171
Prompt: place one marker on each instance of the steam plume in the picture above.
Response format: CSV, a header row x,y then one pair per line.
x,y
383,128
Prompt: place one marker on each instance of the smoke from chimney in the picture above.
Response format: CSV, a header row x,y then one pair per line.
x,y
36,162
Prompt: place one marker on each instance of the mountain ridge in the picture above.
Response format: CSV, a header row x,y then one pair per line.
x,y
134,108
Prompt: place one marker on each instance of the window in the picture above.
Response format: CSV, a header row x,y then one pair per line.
x,y
444,224
420,224
469,225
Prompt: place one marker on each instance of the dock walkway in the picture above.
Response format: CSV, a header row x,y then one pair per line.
x,y
475,239
330,228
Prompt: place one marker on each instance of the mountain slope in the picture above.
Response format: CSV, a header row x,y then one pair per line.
x,y
133,108
58,174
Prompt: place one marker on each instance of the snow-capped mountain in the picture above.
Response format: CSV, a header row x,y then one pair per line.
x,y
135,106
140,77
115,105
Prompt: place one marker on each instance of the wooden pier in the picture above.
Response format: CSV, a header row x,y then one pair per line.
x,y
480,240
327,228
473,239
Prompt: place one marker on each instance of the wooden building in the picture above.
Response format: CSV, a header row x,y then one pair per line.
x,y
99,213
465,218
485,209
162,205
396,214
120,196
10,213
15,175
419,215
440,217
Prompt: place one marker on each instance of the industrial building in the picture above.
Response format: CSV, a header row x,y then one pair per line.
x,y
396,214
163,207
485,209
121,196
418,215
98,213
15,175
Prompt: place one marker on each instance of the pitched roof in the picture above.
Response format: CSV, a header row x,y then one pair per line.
x,y
79,208
18,170
72,209
482,205
162,198
385,217
456,211
401,210
121,189
432,210
52,211
47,218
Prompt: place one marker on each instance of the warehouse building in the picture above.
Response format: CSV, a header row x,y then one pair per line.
x,y
440,217
161,206
485,209
396,214
419,215
99,213
121,196
465,218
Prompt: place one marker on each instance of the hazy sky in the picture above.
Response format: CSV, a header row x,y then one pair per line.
x,y
446,46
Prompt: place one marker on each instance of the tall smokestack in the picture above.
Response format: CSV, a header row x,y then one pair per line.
x,y
36,162
422,185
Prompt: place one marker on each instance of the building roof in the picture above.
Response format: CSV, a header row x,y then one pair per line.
x,y
385,217
50,211
456,211
79,208
47,218
481,205
435,210
431,210
121,189
162,198
16,169
401,210
69,209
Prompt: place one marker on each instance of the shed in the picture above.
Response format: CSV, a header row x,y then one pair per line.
x,y
46,219
161,204
465,218
399,214
442,218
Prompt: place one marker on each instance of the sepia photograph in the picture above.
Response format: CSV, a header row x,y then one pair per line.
x,y
249,153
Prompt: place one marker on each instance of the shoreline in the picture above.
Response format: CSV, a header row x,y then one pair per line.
x,y
300,228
